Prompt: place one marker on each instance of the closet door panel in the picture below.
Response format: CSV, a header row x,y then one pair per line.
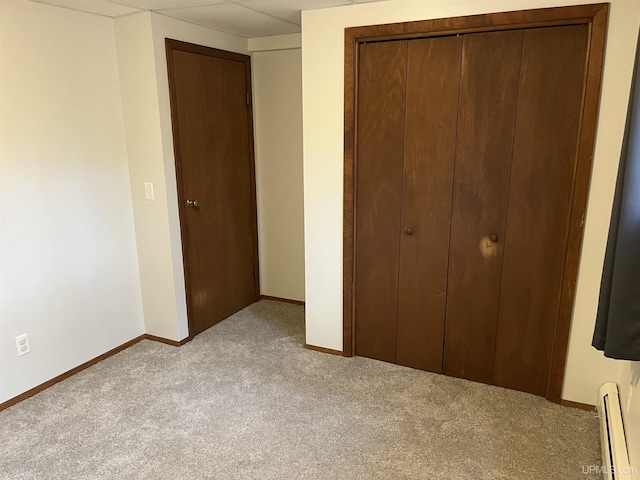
x,y
430,140
547,129
380,138
488,100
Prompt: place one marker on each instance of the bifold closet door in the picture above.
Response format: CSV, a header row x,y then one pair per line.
x,y
517,144
540,197
381,113
466,156
433,71
407,97
488,101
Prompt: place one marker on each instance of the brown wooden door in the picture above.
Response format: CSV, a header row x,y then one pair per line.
x,y
383,73
488,100
429,150
520,108
216,182
466,152
540,199
406,146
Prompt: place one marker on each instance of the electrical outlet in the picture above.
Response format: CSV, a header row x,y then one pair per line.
x,y
629,396
22,344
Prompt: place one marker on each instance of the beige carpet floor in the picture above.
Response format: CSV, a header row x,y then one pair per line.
x,y
244,400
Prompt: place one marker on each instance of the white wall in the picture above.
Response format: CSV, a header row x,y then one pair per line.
x,y
277,107
323,80
68,265
144,146
628,381
145,99
85,122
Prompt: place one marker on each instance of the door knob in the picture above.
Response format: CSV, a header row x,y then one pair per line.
x,y
193,203
408,231
493,238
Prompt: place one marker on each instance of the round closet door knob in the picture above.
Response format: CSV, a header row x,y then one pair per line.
x,y
493,238
408,231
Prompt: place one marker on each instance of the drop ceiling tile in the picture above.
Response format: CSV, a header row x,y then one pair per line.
x,y
167,4
100,7
233,18
290,9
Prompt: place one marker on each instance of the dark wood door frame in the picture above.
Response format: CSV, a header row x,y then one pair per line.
x,y
176,45
595,17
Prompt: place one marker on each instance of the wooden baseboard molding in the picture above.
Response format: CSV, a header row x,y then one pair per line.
x,y
285,300
322,349
93,361
166,341
70,373
581,406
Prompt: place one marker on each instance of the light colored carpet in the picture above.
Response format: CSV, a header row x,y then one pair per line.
x,y
244,400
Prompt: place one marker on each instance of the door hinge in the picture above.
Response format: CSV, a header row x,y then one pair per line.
x,y
247,98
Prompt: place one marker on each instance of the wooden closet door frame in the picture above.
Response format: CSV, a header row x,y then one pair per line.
x,y
595,16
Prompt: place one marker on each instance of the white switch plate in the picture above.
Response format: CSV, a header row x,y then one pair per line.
x,y
148,191
22,344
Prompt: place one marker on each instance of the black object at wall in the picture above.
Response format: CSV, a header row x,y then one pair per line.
x,y
617,330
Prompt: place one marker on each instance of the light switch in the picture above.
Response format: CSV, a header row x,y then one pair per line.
x,y
148,191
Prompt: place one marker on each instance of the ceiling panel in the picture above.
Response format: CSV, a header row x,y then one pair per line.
x,y
167,4
247,18
289,9
233,18
99,7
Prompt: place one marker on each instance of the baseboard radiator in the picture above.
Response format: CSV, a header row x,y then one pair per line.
x,y
615,460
